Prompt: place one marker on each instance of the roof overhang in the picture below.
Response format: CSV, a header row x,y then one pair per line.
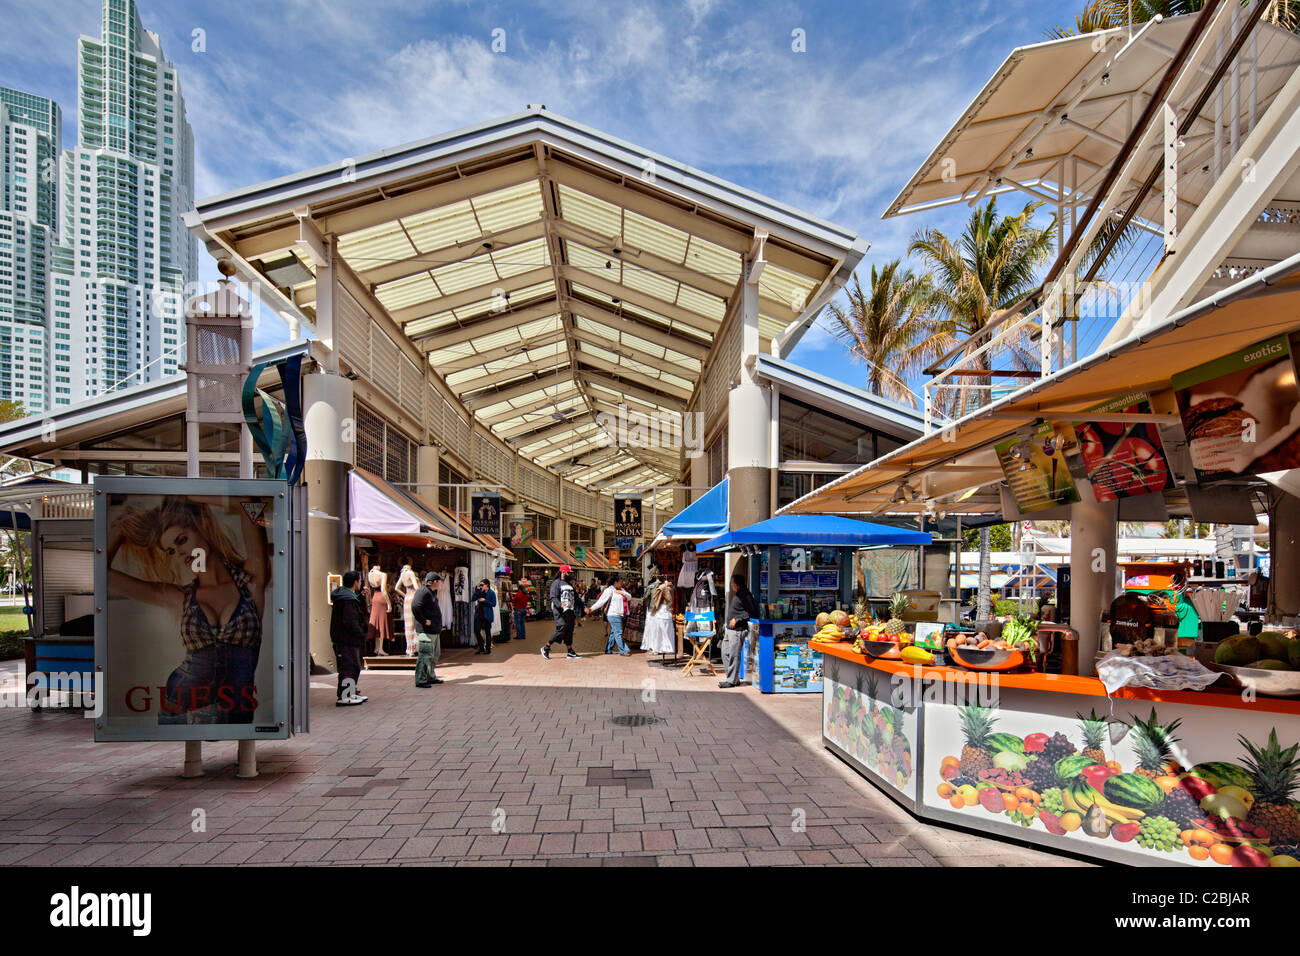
x,y
540,267
958,465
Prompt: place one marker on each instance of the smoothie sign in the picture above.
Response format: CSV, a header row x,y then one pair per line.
x,y
1123,460
1241,413
1036,471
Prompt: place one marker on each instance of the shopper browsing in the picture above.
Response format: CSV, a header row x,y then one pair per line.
x,y
740,608
485,606
348,635
520,602
617,599
564,604
428,630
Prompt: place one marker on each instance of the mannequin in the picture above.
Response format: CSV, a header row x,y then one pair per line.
x,y
405,589
381,608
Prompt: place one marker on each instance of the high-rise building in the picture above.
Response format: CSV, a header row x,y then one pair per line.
x,y
124,258
31,127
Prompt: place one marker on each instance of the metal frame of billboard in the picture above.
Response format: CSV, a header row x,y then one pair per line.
x,y
288,668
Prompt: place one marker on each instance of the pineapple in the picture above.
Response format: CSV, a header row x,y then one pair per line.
x,y
897,608
1274,772
1094,736
1154,744
976,725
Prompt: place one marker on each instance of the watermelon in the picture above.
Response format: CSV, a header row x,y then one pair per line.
x,y
1133,790
1067,768
1009,742
1220,775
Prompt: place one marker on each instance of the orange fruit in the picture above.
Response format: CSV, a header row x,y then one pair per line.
x,y
1114,765
1167,783
1198,852
1009,801
1221,853
956,801
946,790
949,762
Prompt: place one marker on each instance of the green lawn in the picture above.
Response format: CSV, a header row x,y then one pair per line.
x,y
13,628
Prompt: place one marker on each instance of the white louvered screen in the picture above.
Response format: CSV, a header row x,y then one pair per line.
x,y
386,358
412,389
353,334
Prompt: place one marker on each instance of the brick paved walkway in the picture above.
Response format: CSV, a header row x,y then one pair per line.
x,y
513,760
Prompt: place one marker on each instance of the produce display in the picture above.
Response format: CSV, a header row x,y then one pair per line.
x,y
868,730
1235,814
1268,650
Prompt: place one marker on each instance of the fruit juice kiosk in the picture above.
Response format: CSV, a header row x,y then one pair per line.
x,y
800,567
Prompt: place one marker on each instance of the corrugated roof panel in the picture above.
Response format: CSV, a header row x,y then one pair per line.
x,y
538,327
593,294
634,277
487,307
641,345
450,354
701,303
654,237
522,258
465,275
769,328
713,259
440,321
376,245
788,288
582,257
401,293
442,227
601,217
512,206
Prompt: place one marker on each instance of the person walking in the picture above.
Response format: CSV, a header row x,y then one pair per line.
x,y
428,630
519,599
348,635
485,606
564,604
740,608
617,599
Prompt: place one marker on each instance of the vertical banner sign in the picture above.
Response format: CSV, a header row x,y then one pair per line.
x,y
485,513
1036,471
191,587
520,531
1241,413
627,516
1122,460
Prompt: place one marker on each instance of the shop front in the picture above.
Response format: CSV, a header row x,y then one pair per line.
x,y
801,569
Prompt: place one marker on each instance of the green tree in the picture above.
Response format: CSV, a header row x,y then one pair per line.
x,y
881,325
999,538
1111,14
990,267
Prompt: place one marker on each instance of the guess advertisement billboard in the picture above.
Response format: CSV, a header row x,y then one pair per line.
x,y
191,591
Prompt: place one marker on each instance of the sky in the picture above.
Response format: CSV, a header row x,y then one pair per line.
x,y
277,86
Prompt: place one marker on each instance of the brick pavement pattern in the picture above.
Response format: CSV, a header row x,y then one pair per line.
x,y
513,761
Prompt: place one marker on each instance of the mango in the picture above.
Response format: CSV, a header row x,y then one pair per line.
x,y
1271,665
1293,653
1239,651
1272,645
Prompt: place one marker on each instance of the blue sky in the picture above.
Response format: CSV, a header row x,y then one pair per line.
x,y
838,130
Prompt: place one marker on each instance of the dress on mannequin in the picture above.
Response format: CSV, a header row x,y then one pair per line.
x,y
445,602
381,610
406,587
660,635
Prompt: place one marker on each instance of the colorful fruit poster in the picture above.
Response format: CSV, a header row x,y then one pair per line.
x,y
1123,460
1241,413
1036,471
869,727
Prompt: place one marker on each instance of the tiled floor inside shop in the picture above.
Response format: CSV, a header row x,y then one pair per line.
x,y
514,759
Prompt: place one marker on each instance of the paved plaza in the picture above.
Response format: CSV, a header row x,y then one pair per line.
x,y
514,760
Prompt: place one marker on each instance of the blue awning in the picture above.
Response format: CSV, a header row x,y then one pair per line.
x,y
705,517
814,530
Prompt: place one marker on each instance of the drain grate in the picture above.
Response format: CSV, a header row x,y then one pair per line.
x,y
634,720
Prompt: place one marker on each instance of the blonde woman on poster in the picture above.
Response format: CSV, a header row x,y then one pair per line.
x,y
182,558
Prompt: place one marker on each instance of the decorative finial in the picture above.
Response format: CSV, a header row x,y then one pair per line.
x,y
226,268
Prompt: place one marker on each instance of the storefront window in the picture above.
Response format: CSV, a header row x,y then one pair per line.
x,y
581,534
447,475
792,485
811,434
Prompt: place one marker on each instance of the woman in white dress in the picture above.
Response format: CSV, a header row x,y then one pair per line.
x,y
405,589
660,635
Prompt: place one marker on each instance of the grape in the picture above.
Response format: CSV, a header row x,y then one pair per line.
x,y
1052,801
1158,833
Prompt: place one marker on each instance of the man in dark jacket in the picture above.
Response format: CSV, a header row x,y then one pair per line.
x,y
485,609
348,635
428,631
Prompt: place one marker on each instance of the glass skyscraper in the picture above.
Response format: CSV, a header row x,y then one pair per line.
x,y
124,257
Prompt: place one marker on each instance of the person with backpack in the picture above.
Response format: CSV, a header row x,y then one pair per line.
x,y
428,631
564,608
348,635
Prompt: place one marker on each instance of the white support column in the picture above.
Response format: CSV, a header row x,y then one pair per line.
x,y
1094,530
1171,176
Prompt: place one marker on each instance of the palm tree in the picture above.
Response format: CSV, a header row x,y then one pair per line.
x,y
881,326
990,267
1110,14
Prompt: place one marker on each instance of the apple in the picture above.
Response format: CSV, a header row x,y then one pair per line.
x,y
1035,743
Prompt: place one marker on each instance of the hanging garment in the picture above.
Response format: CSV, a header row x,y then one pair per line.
x,y
464,632
445,602
690,562
462,587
